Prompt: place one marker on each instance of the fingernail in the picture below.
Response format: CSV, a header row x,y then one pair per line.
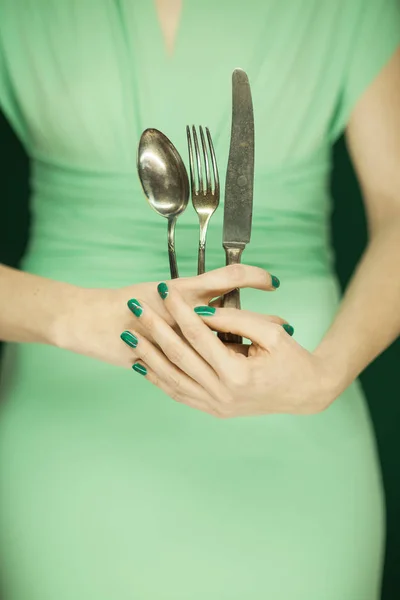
x,y
135,307
204,311
275,281
288,328
129,338
162,289
139,369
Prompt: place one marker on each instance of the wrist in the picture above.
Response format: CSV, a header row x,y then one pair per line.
x,y
73,317
335,376
91,318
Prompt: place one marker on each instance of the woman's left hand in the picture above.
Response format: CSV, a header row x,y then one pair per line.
x,y
273,375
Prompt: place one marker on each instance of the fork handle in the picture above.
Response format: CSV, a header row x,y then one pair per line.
x,y
232,298
201,259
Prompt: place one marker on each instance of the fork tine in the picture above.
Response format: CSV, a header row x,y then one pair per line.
x,y
191,161
198,160
214,162
207,166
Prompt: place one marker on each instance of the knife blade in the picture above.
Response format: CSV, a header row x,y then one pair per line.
x,y
238,203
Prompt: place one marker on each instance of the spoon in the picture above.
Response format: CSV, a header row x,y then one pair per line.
x,y
164,181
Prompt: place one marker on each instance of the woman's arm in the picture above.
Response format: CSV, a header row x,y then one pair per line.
x,y
369,317
89,320
31,306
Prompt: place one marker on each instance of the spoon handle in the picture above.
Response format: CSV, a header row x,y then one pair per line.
x,y
173,266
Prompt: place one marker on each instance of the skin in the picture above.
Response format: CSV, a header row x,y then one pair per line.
x,y
89,321
369,319
278,375
222,380
169,13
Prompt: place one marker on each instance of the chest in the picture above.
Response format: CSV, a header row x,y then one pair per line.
x,y
89,77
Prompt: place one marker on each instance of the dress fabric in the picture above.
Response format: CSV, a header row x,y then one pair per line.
x,y
108,488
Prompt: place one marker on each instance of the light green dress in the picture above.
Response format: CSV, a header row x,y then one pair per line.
x,y
109,489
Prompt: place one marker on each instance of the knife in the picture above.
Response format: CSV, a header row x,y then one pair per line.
x,y
238,204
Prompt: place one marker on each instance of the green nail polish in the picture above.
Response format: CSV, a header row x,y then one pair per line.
x,y
204,311
162,289
129,338
288,328
139,369
135,307
275,281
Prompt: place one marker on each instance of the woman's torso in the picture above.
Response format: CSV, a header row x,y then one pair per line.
x,y
84,79
107,486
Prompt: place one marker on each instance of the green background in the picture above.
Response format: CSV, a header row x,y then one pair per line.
x,y
349,235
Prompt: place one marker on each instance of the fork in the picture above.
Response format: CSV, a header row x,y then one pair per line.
x,y
205,193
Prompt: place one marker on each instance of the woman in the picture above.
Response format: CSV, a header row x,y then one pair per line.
x,y
109,488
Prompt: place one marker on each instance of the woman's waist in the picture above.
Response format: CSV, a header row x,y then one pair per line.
x,y
147,260
100,222
115,245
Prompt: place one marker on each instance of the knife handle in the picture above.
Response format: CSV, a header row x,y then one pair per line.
x,y
232,298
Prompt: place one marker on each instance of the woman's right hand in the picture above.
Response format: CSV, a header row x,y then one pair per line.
x,y
95,317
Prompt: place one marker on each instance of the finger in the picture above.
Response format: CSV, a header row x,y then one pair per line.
x,y
264,330
201,338
176,349
177,380
232,313
145,370
165,374
222,280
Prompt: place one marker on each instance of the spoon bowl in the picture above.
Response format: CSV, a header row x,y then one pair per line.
x,y
165,182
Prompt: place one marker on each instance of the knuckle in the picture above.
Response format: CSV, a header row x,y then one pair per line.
x,y
237,271
275,319
277,335
218,415
143,354
180,284
175,396
224,411
175,353
191,331
174,381
237,379
224,404
223,396
211,412
148,321
154,379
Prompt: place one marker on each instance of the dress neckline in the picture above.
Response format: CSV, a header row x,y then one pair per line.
x,y
169,44
156,35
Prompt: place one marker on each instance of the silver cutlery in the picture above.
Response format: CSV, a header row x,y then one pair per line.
x,y
205,188
238,206
164,181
